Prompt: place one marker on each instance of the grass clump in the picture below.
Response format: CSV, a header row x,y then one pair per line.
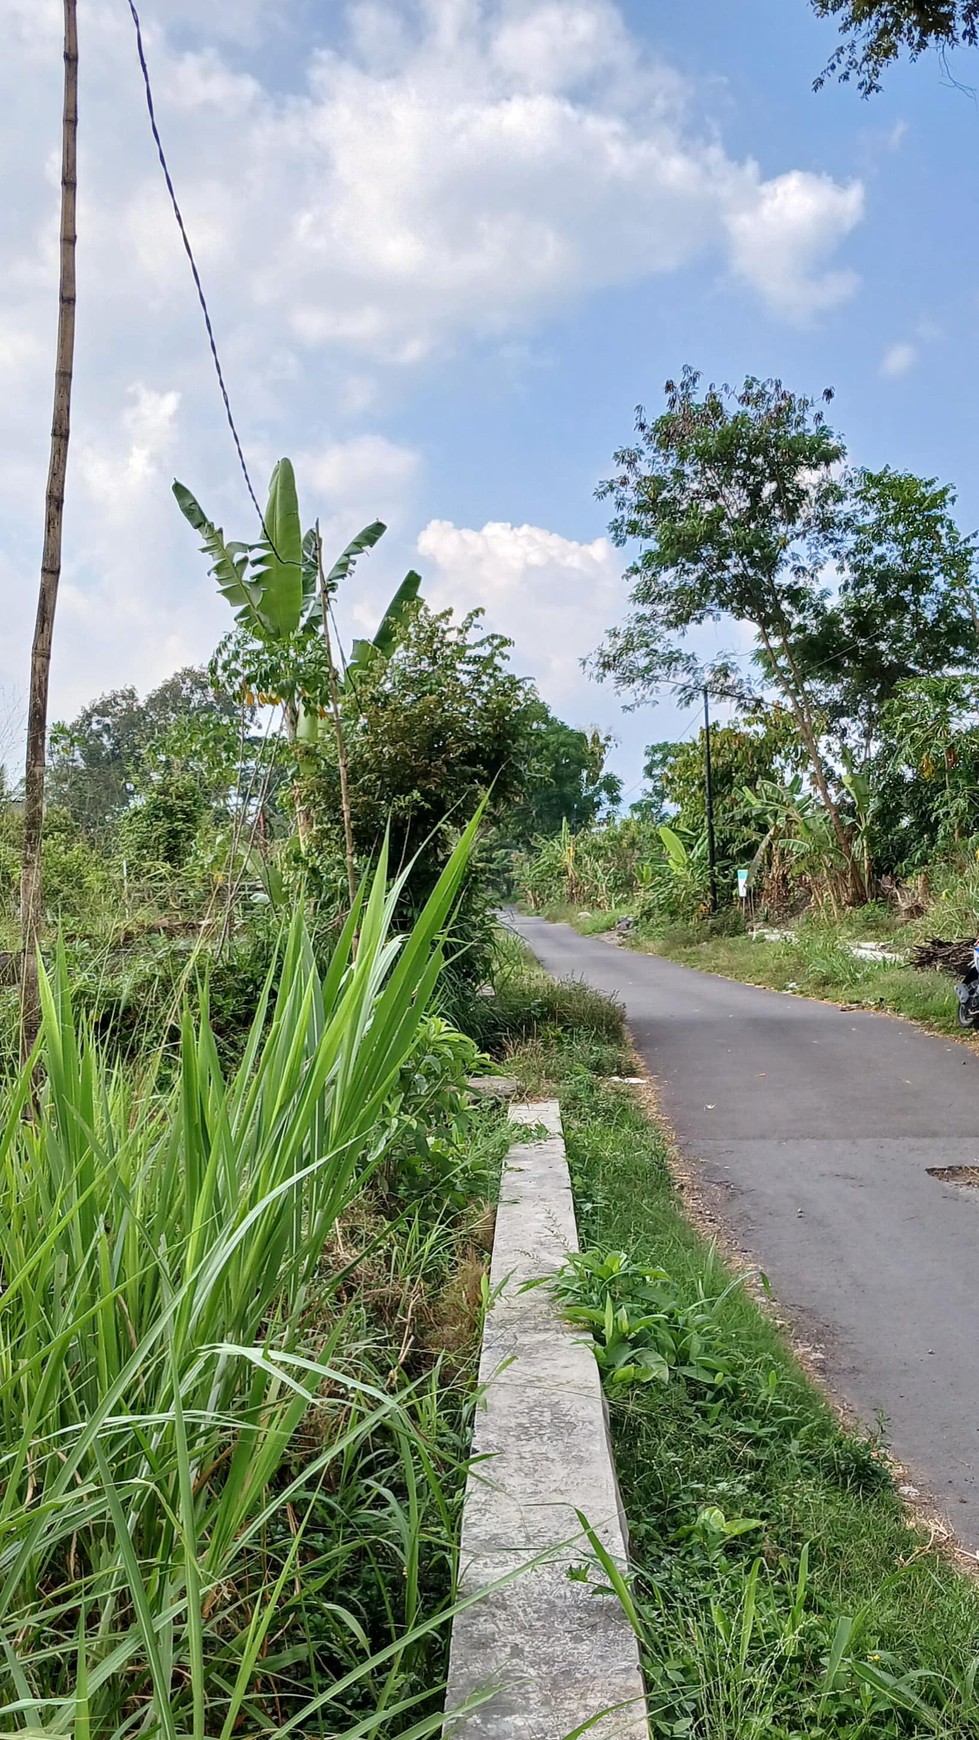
x,y
232,1446
779,1590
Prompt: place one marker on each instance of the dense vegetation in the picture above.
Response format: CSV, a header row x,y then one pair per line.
x,y
246,1189
845,773
246,1192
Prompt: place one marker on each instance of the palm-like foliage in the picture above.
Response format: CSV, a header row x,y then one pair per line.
x,y
274,588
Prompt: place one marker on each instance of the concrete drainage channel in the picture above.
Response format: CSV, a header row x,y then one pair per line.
x,y
560,1656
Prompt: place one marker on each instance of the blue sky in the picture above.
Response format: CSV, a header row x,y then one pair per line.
x,y
449,246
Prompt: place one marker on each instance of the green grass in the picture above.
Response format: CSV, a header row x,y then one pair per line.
x,y
828,1616
587,922
815,963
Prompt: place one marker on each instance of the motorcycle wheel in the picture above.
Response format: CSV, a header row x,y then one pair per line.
x,y
968,1017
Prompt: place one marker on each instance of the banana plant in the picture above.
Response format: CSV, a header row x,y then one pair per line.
x,y
274,588
797,825
282,651
866,803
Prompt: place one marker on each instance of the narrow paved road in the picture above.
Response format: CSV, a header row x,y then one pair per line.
x,y
817,1127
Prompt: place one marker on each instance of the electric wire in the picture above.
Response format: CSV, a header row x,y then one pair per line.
x,y
195,272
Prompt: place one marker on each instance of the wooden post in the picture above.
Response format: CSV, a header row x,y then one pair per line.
x,y
348,829
37,716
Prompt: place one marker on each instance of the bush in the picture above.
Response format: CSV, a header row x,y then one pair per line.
x,y
525,1003
162,826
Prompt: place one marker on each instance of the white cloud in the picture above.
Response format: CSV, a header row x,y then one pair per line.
x,y
898,359
369,466
448,172
560,45
517,159
783,232
554,597
118,474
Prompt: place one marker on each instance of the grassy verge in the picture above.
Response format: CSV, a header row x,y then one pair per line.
x,y
780,1589
237,1329
815,962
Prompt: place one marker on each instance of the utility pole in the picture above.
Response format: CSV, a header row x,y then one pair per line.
x,y
709,795
37,715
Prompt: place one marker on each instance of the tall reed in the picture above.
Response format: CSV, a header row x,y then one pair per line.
x,y
160,1246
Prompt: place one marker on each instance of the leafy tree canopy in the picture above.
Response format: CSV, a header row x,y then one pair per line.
x,y
162,826
100,759
876,32
854,582
742,754
735,498
907,604
566,780
926,771
429,729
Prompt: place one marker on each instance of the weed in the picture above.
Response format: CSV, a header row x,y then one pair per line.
x,y
817,962
642,1333
220,1501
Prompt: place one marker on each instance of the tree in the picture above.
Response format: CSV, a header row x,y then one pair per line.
x,y
742,755
430,729
927,769
566,780
736,499
907,604
101,759
37,708
162,827
877,32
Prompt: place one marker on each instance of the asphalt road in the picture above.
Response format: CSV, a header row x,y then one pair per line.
x,y
814,1128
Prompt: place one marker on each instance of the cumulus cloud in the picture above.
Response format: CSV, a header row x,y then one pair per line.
x,y
782,233
898,359
434,174
516,159
553,596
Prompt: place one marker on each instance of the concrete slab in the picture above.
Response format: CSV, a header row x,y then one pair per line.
x,y
558,1653
493,1087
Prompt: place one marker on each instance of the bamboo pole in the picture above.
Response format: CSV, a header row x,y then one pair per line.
x,y
37,715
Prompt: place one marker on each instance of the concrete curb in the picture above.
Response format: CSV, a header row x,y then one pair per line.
x,y
558,1653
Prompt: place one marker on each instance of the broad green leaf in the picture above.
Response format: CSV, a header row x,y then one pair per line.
x,y
307,726
363,652
389,632
277,558
676,851
229,562
364,540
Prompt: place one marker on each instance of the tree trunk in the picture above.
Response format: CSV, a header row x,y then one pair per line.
x,y
798,701
37,715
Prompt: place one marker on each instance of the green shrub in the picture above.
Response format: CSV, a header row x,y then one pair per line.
x,y
162,826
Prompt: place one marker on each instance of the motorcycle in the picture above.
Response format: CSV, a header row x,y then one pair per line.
x,y
968,992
